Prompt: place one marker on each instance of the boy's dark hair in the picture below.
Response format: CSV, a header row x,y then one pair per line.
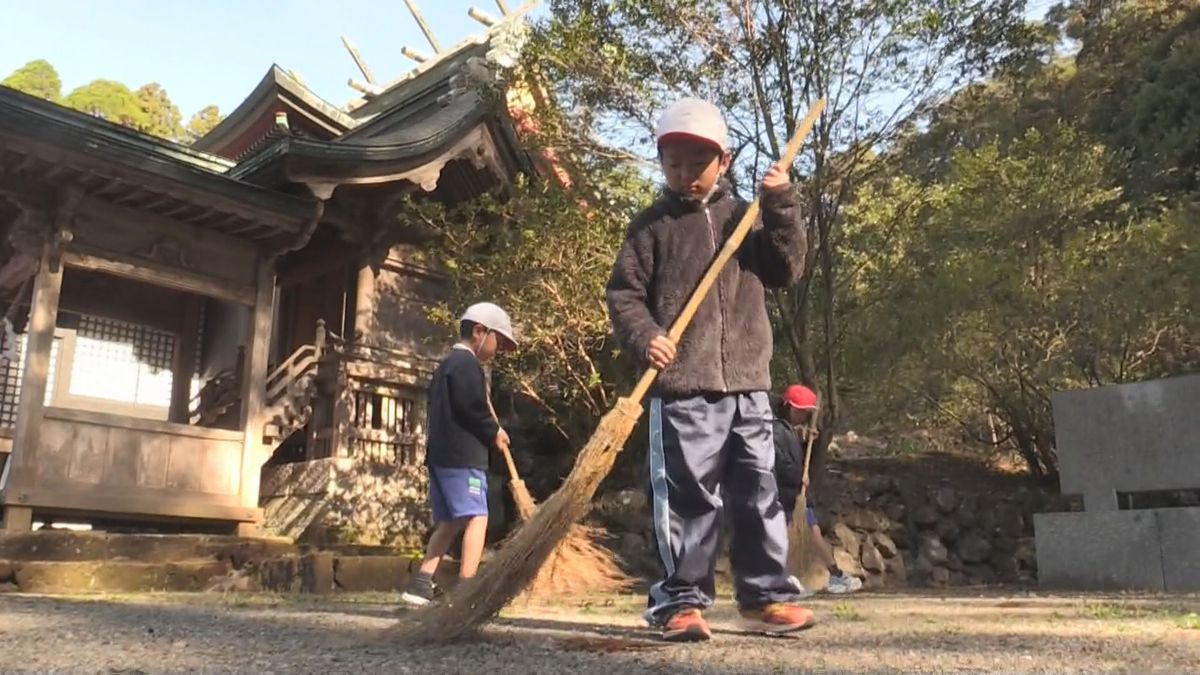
x,y
780,406
465,329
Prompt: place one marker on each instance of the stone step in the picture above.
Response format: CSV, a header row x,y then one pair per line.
x,y
310,573
111,576
327,572
68,546
83,562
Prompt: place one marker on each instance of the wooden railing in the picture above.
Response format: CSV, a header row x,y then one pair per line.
x,y
220,395
299,366
292,389
356,399
384,425
376,406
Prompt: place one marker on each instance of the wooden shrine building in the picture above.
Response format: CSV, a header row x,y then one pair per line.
x,y
234,336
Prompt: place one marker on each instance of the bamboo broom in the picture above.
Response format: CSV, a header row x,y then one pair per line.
x,y
578,564
518,561
521,497
799,533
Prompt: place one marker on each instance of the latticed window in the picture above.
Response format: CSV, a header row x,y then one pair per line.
x,y
110,366
10,378
122,362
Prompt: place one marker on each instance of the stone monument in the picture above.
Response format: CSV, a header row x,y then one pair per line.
x,y
1133,452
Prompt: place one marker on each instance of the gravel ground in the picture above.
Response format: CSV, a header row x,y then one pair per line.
x,y
957,633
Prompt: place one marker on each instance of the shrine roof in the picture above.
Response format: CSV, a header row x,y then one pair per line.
x,y
43,145
279,90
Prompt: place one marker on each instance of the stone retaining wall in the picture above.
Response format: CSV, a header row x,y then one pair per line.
x,y
937,537
890,534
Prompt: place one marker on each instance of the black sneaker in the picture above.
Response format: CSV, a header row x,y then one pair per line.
x,y
420,592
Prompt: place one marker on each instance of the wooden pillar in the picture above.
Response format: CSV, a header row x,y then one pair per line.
x,y
183,363
364,305
16,519
365,320
254,387
43,315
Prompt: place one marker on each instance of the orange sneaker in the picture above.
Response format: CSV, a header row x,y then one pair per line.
x,y
687,625
777,618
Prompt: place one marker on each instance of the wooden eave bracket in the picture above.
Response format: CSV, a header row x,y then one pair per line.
x,y
476,146
63,233
30,235
310,225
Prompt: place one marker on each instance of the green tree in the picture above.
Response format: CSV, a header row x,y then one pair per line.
x,y
1109,308
162,116
544,252
36,78
542,247
111,100
879,64
1019,273
203,122
1140,64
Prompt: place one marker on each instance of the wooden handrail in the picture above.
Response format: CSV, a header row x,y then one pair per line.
x,y
303,360
221,376
279,381
301,363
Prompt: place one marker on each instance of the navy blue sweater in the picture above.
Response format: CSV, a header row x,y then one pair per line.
x,y
461,428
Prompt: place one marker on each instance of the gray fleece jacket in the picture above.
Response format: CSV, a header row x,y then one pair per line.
x,y
667,249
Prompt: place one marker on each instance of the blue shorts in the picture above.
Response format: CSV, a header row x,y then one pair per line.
x,y
810,516
457,493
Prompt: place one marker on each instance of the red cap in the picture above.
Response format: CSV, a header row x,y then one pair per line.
x,y
800,397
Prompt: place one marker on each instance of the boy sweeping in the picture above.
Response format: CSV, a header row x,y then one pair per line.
x,y
461,430
710,419
793,425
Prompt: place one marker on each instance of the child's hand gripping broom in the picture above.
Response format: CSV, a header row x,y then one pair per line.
x,y
519,560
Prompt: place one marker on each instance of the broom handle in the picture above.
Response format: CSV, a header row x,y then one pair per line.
x,y
727,251
512,466
812,435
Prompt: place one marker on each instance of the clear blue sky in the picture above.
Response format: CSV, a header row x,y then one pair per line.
x,y
215,51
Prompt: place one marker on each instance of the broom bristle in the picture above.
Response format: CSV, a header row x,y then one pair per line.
x,y
519,560
803,560
524,501
579,565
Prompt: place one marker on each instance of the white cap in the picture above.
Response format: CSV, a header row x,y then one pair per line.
x,y
694,119
490,316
